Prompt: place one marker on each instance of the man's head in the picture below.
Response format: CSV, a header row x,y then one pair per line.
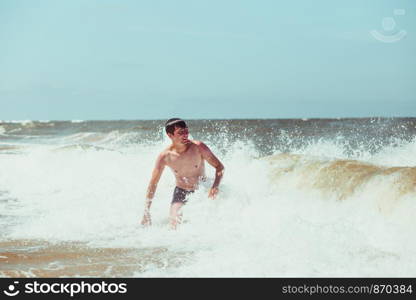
x,y
171,124
177,130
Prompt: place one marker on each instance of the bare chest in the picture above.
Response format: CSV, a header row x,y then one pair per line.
x,y
187,164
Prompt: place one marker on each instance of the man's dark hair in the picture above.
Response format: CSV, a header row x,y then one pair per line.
x,y
172,123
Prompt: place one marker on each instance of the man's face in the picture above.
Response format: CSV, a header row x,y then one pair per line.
x,y
180,135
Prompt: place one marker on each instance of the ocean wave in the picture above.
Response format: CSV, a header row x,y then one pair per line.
x,y
343,179
83,147
87,137
5,147
326,207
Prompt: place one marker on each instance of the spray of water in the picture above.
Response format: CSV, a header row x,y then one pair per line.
x,y
313,211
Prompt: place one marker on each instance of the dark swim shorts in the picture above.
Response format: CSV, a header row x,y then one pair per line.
x,y
179,195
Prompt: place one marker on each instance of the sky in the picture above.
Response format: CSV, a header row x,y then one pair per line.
x,y
132,59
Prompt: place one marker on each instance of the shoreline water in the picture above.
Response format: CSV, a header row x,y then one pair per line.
x,y
310,198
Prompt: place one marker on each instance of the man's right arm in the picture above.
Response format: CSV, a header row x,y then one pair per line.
x,y
157,172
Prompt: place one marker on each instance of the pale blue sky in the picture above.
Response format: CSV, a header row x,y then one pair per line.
x,y
131,59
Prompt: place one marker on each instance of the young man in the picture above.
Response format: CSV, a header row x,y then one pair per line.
x,y
186,158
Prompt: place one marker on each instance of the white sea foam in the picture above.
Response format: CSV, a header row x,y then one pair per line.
x,y
23,122
404,155
259,226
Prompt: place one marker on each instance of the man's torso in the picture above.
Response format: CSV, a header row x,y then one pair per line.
x,y
188,167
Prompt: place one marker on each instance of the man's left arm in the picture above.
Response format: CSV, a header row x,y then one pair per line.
x,y
215,162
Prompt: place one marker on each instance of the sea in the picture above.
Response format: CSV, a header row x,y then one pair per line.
x,y
299,198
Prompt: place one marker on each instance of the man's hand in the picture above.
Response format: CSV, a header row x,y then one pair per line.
x,y
213,192
146,221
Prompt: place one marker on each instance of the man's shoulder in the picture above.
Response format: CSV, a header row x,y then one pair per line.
x,y
198,143
165,153
202,148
